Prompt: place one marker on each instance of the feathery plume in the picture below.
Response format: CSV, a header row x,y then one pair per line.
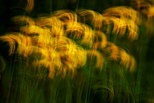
x,y
65,16
24,43
80,31
92,16
49,22
113,50
100,40
122,12
92,54
123,18
127,60
116,54
34,29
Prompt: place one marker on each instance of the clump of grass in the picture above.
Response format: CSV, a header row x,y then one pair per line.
x,y
72,50
60,39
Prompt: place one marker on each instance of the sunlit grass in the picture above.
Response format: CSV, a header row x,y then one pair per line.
x,y
67,56
60,41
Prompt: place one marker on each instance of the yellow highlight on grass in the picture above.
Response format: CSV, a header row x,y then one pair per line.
x,y
123,18
64,43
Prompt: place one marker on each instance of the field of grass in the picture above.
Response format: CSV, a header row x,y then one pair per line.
x,y
73,51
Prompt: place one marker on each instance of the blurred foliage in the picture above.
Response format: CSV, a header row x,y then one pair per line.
x,y
21,82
